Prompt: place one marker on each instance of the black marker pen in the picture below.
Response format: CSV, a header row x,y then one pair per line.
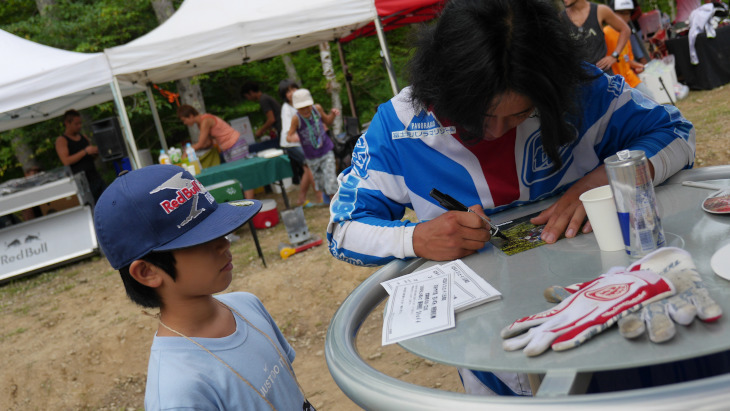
x,y
450,203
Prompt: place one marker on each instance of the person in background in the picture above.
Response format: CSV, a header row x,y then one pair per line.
x,y
214,129
294,149
309,128
76,151
501,112
637,44
585,21
626,66
269,107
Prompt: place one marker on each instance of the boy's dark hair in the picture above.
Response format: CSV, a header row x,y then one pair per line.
x,y
186,111
69,115
480,49
142,294
250,86
284,86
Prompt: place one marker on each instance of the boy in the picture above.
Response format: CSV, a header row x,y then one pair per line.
x,y
309,127
165,234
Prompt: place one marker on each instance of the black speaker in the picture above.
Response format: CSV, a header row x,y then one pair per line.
x,y
108,137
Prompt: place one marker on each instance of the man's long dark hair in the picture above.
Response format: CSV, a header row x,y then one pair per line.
x,y
480,49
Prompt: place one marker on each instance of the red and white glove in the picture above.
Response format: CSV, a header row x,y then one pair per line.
x,y
691,300
595,306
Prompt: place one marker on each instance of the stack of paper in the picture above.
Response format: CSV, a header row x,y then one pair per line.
x,y
425,301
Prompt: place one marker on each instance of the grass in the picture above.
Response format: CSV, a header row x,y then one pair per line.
x,y
24,284
709,111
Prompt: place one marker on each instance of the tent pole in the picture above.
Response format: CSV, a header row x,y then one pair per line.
x,y
348,78
124,122
156,117
386,55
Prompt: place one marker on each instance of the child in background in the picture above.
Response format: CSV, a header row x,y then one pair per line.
x,y
166,235
309,128
294,149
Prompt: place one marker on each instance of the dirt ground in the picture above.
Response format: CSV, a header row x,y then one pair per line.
x,y
71,340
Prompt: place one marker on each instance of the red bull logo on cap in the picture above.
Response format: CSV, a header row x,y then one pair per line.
x,y
183,195
186,189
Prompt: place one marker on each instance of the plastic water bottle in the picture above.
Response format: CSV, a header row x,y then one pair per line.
x,y
193,158
175,155
164,158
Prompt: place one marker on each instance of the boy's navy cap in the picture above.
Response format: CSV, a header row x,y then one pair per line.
x,y
162,208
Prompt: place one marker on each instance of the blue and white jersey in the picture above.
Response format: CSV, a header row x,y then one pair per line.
x,y
407,151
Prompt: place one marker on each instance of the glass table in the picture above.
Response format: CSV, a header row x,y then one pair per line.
x,y
475,342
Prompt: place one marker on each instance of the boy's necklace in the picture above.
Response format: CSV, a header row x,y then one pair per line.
x,y
306,406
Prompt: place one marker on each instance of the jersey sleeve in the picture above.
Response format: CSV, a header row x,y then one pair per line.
x,y
633,121
366,226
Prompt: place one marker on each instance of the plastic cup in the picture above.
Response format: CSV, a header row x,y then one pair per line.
x,y
601,211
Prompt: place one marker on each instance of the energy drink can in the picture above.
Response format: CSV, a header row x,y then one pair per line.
x,y
633,192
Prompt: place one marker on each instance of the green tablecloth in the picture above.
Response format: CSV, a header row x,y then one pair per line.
x,y
250,172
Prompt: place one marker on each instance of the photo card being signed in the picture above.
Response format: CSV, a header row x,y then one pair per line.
x,y
521,235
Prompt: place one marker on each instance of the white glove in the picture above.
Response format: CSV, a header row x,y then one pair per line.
x,y
595,306
692,298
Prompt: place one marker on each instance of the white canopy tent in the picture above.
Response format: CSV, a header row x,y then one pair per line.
x,y
39,82
208,35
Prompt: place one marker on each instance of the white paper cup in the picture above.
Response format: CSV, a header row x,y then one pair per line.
x,y
601,211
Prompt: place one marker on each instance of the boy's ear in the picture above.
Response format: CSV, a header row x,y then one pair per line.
x,y
146,273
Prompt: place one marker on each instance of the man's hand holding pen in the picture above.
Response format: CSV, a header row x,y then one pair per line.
x,y
452,235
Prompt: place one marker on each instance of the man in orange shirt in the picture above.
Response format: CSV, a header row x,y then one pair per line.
x,y
625,65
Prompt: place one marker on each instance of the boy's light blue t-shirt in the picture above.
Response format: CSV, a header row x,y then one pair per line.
x,y
181,375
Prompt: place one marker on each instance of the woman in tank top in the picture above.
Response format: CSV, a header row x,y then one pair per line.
x,y
212,128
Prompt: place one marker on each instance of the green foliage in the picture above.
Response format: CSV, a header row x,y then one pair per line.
x,y
86,25
12,11
43,147
92,25
666,6
370,84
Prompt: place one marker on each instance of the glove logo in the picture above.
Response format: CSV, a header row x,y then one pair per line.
x,y
609,292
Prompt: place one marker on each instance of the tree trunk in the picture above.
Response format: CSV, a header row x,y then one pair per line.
x,y
190,93
333,86
163,9
42,4
291,71
23,152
